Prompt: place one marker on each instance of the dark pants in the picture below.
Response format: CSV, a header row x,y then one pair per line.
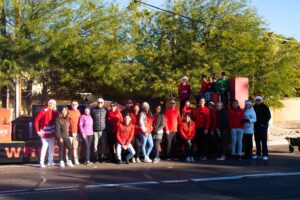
x,y
87,145
66,143
261,137
171,144
223,142
212,145
137,144
182,103
156,149
248,144
188,147
224,97
111,143
201,140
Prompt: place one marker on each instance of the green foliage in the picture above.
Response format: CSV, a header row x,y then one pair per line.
x,y
73,46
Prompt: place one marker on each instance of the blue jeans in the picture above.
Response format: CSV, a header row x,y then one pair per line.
x,y
236,139
119,151
147,141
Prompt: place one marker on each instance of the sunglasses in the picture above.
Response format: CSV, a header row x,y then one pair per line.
x,y
257,100
172,102
100,102
113,105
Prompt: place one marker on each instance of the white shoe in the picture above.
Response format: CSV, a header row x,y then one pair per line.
x,y
192,159
42,165
256,157
221,158
62,164
188,159
138,160
51,163
70,164
148,160
76,162
265,158
133,160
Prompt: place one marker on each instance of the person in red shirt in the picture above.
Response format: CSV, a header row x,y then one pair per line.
x,y
124,136
136,140
74,114
203,89
172,121
184,91
202,121
187,109
236,116
44,124
187,133
114,118
212,135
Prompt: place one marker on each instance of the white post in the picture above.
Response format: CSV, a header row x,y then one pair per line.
x,y
17,98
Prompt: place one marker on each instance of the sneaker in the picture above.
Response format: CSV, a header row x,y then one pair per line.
x,y
118,162
174,159
138,160
203,158
69,163
147,160
168,159
76,162
127,162
133,160
239,157
188,159
256,157
156,160
51,163
87,162
265,158
42,165
221,158
192,159
62,164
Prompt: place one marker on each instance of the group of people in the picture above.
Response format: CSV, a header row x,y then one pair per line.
x,y
136,134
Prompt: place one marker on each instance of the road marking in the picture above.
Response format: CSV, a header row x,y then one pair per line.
x,y
147,183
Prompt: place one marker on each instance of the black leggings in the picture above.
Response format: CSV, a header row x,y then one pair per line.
x,y
65,143
111,143
201,140
171,144
189,152
137,143
248,141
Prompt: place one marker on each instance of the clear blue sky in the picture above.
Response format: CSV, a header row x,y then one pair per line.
x,y
282,16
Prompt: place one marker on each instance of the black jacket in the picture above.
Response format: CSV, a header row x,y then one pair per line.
x,y
63,127
222,120
99,118
263,114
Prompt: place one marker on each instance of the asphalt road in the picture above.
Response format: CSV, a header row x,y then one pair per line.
x,y
277,178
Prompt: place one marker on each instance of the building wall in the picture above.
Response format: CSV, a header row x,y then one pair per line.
x,y
290,113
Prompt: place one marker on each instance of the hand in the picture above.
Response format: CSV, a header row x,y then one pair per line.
x,y
206,131
84,137
189,141
39,133
212,133
61,140
125,147
167,132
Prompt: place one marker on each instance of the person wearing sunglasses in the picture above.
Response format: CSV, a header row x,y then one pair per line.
x,y
172,120
114,118
263,116
74,114
99,114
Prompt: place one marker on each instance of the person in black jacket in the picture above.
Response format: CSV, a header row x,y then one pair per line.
x,y
263,116
99,115
158,130
222,130
63,133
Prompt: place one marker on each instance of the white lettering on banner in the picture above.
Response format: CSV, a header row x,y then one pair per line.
x,y
3,132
